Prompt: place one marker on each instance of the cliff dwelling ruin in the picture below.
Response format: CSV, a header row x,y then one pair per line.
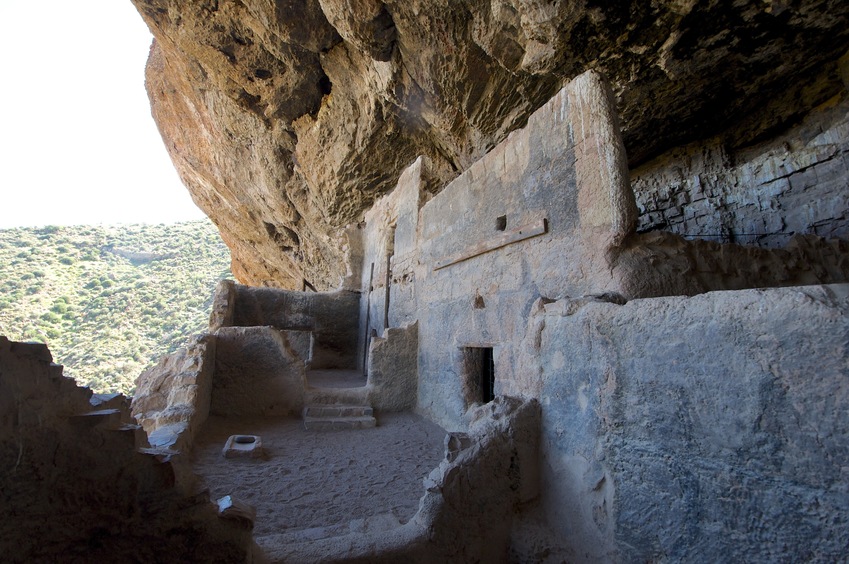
x,y
518,282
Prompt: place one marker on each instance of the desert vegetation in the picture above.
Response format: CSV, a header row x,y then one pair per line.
x,y
109,300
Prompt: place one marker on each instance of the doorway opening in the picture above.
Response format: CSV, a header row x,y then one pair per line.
x,y
478,375
487,375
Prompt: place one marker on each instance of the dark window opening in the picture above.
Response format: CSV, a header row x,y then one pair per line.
x,y
478,375
501,223
487,375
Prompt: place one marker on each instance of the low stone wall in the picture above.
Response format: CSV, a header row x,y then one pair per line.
x,y
331,317
662,264
259,371
468,507
78,485
675,428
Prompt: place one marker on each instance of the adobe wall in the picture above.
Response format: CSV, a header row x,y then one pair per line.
x,y
674,428
331,317
389,237
537,216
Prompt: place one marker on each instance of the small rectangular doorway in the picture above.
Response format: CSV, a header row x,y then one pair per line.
x,y
487,375
478,375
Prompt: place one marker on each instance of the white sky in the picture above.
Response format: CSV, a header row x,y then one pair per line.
x,y
77,143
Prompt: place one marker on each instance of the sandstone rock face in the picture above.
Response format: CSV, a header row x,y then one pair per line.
x,y
287,119
760,195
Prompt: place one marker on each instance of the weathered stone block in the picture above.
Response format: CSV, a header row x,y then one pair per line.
x,y
243,446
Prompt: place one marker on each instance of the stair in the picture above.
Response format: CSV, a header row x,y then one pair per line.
x,y
322,417
103,418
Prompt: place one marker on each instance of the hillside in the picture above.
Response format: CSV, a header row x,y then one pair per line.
x,y
109,300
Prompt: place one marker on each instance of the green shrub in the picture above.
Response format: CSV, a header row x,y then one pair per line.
x,y
51,317
107,319
59,307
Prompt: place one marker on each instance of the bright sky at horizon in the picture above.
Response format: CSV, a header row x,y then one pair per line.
x,y
77,142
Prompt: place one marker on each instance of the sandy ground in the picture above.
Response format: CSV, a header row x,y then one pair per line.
x,y
316,479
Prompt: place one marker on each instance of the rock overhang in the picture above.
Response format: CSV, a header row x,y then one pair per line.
x,y
286,122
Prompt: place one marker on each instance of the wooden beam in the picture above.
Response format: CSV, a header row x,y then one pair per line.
x,y
366,337
533,229
388,281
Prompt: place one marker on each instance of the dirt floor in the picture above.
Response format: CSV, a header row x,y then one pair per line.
x,y
315,479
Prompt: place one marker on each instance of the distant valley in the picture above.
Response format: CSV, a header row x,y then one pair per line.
x,y
109,300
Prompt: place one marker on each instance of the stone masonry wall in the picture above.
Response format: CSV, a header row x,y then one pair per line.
x,y
677,428
259,371
555,194
390,231
331,317
172,398
796,183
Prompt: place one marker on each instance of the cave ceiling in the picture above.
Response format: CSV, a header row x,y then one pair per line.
x,y
286,119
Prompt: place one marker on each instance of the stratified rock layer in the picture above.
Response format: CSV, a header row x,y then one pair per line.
x,y
287,119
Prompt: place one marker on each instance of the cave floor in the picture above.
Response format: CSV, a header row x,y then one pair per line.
x,y
315,479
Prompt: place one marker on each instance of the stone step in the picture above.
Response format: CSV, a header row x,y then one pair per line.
x,y
336,396
287,541
107,401
337,411
103,418
133,435
338,423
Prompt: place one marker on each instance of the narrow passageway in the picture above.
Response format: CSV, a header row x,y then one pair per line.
x,y
317,479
